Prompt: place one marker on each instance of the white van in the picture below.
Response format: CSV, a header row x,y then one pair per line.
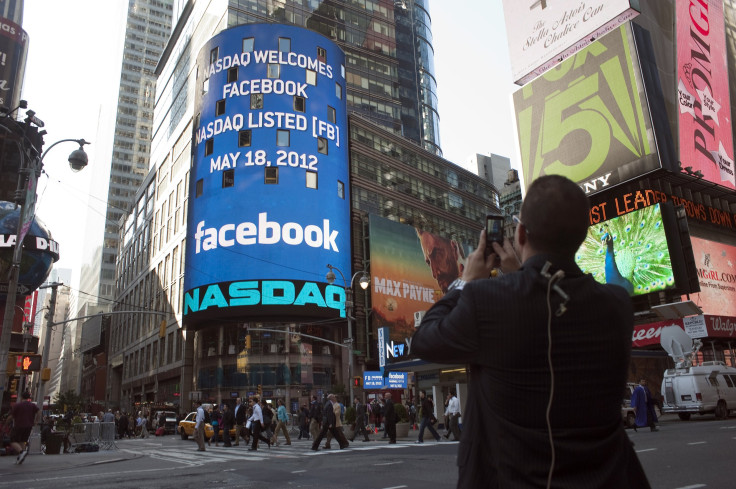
x,y
706,388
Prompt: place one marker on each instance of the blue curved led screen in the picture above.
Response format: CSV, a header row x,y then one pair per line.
x,y
269,203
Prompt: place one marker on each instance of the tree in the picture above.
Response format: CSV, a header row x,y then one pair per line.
x,y
68,401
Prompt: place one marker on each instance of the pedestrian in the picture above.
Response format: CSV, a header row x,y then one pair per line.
x,y
360,420
123,425
453,416
228,421
240,417
256,423
337,409
412,410
329,423
108,417
215,421
547,350
199,425
389,419
24,415
303,420
282,423
268,416
315,417
643,405
141,424
426,409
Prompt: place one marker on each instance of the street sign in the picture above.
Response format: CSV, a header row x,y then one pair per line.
x,y
21,289
348,341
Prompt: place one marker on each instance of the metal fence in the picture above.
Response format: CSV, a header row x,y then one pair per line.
x,y
100,434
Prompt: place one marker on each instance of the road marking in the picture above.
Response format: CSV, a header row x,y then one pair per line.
x,y
395,487
388,463
694,486
646,450
698,443
297,471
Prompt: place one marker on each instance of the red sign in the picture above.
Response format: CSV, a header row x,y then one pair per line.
x,y
648,334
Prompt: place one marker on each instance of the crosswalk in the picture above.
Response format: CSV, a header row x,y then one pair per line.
x,y
187,453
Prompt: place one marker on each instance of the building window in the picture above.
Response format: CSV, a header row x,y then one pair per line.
x,y
209,147
274,70
282,137
271,175
248,44
206,85
341,189
244,138
256,101
232,74
342,71
284,44
338,91
220,107
214,54
299,103
311,77
321,146
228,178
200,185
331,114
321,54
311,179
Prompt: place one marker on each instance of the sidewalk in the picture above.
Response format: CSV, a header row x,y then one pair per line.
x,y
36,462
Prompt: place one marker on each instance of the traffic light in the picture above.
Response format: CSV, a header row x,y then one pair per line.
x,y
30,362
260,390
357,382
14,386
12,364
247,342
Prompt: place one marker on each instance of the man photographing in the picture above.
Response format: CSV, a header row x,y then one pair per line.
x,y
540,342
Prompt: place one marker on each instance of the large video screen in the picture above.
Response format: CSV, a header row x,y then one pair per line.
x,y
630,251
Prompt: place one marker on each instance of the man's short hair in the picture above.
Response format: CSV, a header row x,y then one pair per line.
x,y
556,215
26,395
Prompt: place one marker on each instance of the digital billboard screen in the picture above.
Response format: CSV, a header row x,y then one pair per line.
x,y
630,251
705,130
588,118
269,202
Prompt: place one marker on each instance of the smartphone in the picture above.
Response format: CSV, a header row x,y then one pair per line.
x,y
494,231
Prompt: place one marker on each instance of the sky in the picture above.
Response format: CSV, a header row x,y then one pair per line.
x,y
73,71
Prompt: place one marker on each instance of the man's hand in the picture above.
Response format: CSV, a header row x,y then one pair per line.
x,y
509,260
478,265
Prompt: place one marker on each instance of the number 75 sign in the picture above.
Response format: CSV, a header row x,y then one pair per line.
x,y
587,118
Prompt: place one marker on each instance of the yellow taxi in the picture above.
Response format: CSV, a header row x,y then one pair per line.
x,y
186,428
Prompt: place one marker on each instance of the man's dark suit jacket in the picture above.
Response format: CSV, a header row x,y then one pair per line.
x,y
499,328
328,415
240,415
389,415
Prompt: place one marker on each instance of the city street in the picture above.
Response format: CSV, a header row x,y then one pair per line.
x,y
693,454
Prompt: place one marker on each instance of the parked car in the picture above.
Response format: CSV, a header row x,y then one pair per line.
x,y
186,428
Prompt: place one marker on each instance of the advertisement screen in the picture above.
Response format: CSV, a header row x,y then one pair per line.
x,y
410,270
716,264
269,203
630,251
588,118
543,33
705,131
13,52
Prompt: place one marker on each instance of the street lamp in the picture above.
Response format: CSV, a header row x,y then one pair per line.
x,y
30,169
364,281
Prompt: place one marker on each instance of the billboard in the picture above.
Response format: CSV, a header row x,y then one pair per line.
x,y
269,202
705,130
588,118
716,264
410,270
13,53
542,33
630,251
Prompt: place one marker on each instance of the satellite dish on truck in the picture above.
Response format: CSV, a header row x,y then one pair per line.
x,y
679,345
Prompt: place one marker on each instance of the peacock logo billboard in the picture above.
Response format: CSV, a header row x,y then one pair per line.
x,y
269,202
639,251
588,118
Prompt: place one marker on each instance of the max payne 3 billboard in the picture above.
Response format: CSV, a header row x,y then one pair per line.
x,y
588,118
543,33
269,188
705,130
13,52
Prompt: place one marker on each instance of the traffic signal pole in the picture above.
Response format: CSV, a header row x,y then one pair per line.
x,y
47,342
